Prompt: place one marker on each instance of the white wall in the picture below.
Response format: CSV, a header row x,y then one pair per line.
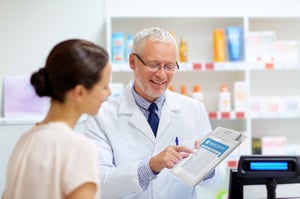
x,y
28,30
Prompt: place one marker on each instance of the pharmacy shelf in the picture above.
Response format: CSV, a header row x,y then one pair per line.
x,y
264,79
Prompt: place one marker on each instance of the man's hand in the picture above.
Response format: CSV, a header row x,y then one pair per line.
x,y
169,157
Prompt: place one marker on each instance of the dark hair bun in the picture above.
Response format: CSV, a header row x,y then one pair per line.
x,y
39,81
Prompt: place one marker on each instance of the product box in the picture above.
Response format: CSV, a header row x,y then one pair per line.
x,y
239,97
20,99
273,145
286,52
260,46
118,47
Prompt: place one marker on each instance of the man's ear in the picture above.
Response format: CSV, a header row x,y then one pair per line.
x,y
131,61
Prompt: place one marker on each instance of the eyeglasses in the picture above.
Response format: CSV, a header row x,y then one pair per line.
x,y
169,68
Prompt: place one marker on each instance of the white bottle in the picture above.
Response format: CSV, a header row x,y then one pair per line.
x,y
197,94
224,99
239,96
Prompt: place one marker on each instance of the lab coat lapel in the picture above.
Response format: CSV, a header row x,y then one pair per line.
x,y
168,114
135,116
139,121
166,118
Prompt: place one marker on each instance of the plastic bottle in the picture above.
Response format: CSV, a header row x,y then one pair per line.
x,y
183,50
197,94
183,90
224,99
171,88
129,44
118,47
219,48
234,43
173,34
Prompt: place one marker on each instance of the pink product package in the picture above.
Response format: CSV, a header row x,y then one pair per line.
x,y
20,98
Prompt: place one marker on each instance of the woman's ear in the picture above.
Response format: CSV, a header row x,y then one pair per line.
x,y
78,92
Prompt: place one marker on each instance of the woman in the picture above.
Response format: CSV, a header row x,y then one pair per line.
x,y
51,160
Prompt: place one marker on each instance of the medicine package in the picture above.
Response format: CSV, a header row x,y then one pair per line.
x,y
214,148
20,99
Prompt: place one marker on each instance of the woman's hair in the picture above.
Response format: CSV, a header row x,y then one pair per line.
x,y
153,34
70,63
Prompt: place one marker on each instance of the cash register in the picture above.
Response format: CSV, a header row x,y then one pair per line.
x,y
263,170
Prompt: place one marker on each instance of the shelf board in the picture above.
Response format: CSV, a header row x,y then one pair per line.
x,y
230,115
236,115
223,66
275,115
29,120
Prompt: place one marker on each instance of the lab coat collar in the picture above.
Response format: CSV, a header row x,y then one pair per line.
x,y
137,119
128,105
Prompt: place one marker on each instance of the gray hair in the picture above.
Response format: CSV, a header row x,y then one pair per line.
x,y
153,34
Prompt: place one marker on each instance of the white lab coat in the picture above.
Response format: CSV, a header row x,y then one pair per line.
x,y
124,138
